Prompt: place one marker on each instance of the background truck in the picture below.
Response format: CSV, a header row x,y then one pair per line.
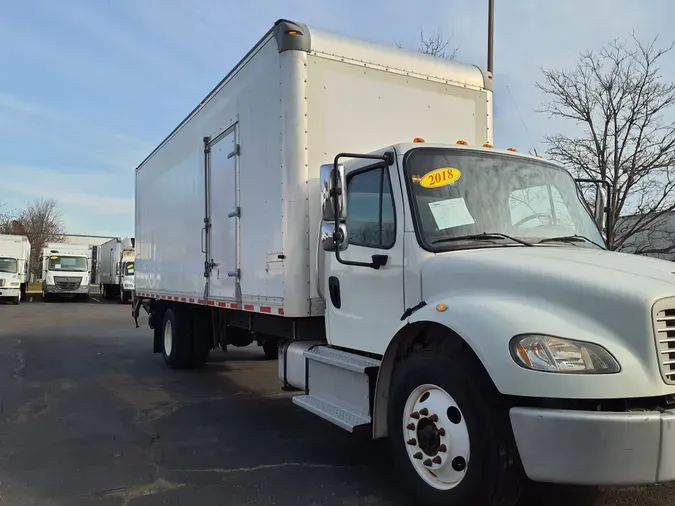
x,y
115,269
343,200
14,267
66,271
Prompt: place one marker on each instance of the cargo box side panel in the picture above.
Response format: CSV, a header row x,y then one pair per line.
x,y
259,129
354,108
171,187
169,219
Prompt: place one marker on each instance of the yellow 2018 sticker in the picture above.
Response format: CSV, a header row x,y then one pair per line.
x,y
440,177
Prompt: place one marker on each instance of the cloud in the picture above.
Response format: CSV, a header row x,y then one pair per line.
x,y
29,123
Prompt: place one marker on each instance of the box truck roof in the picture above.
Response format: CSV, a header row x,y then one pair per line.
x,y
290,35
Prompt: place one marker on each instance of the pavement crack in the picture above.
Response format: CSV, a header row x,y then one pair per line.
x,y
20,358
128,494
264,467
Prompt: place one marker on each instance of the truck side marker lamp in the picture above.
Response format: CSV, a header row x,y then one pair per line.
x,y
418,140
441,308
488,145
462,143
513,150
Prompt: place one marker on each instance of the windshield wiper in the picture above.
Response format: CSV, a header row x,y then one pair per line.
x,y
570,239
485,236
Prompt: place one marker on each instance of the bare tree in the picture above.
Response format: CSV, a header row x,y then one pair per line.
x,y
619,98
41,222
436,45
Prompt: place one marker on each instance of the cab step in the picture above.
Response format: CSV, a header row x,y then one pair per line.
x,y
339,386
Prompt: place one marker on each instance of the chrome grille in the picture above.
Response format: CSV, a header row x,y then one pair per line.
x,y
664,330
67,283
2,282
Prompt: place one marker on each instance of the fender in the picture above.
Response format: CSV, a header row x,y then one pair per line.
x,y
487,322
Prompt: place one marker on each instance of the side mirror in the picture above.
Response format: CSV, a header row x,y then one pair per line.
x,y
328,237
600,207
329,189
603,197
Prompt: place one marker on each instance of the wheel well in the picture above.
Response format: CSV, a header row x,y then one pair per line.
x,y
413,338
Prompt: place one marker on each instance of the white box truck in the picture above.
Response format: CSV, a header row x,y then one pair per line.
x,y
115,269
66,271
454,298
14,267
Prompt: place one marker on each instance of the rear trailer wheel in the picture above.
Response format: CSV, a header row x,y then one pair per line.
x,y
449,434
271,349
176,339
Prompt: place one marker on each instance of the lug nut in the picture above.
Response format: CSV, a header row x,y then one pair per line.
x,y
412,442
415,415
434,418
424,411
410,426
436,460
442,448
418,456
441,431
428,462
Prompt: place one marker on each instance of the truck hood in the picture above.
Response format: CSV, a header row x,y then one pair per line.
x,y
542,270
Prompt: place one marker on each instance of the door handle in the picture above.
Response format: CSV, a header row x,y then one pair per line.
x,y
334,291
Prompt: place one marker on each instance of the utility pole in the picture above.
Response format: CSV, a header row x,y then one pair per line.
x,y
491,34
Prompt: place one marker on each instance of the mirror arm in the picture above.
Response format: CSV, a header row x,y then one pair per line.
x,y
387,158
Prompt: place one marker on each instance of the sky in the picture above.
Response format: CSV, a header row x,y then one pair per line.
x,y
88,88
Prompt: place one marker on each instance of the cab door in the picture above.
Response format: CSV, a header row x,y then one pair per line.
x,y
364,305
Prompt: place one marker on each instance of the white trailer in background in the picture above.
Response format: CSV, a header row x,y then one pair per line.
x,y
14,267
451,297
115,269
66,271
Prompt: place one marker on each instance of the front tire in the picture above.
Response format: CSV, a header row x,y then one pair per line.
x,y
450,435
16,300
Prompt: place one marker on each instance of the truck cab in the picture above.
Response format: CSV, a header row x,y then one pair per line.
x,y
10,285
66,271
478,283
126,277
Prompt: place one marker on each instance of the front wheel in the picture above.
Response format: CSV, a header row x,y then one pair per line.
x,y
16,300
450,435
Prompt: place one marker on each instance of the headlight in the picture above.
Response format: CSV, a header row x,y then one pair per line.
x,y
554,354
14,283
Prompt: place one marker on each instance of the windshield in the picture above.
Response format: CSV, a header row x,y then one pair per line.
x,y
457,193
66,263
9,265
129,269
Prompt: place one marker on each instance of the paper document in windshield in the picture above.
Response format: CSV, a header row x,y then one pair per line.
x,y
451,213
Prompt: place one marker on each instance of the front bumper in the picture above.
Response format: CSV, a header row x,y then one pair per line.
x,y
82,289
594,447
10,292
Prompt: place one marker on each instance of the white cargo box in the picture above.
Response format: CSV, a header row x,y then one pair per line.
x,y
227,207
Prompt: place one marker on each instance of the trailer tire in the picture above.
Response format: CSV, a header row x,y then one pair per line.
x,y
468,444
271,349
202,340
176,339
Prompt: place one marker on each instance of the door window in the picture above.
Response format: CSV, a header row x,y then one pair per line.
x,y
371,219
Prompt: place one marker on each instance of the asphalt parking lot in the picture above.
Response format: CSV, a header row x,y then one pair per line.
x,y
88,415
